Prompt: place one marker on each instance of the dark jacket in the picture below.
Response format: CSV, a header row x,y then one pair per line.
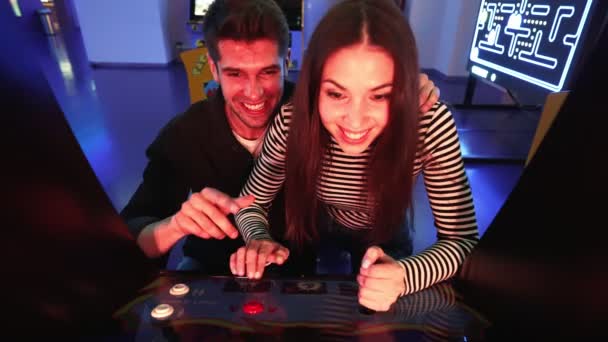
x,y
194,150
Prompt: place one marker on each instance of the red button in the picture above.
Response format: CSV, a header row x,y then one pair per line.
x,y
253,308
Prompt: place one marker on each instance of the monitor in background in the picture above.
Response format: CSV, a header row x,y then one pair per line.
x,y
291,8
531,45
293,12
198,9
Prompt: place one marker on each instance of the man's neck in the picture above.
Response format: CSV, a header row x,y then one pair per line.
x,y
240,128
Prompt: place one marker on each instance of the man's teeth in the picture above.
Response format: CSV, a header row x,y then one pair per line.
x,y
256,107
355,136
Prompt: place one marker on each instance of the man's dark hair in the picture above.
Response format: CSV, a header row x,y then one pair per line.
x,y
245,20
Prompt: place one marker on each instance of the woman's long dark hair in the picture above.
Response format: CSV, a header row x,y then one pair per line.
x,y
390,173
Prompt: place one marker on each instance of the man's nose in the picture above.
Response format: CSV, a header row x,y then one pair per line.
x,y
253,89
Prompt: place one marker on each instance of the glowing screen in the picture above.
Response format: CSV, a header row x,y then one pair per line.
x,y
201,7
532,40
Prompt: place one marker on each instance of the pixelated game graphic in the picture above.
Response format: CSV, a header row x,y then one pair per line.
x,y
531,40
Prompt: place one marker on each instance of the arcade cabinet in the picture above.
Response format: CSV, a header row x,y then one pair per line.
x,y
540,269
69,261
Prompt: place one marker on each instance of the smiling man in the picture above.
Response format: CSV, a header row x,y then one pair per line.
x,y
201,159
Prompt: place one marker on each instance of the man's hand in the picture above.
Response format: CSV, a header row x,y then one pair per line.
x,y
381,280
204,214
429,94
253,258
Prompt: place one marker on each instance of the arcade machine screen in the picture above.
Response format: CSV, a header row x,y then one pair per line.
x,y
529,41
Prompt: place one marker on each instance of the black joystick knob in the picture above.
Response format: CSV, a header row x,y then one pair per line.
x,y
366,311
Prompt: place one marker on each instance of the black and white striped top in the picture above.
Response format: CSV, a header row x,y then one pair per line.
x,y
341,187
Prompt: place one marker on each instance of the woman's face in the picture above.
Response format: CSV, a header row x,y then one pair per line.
x,y
356,86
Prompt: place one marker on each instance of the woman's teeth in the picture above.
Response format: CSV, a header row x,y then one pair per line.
x,y
355,136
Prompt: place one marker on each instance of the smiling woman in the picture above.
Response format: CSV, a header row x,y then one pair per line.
x,y
355,94
348,149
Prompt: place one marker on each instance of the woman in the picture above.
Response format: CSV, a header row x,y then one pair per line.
x,y
355,144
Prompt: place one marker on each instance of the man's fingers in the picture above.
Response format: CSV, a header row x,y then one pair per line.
x,y
436,93
203,234
427,94
422,79
244,201
224,202
433,98
189,226
216,216
203,222
371,256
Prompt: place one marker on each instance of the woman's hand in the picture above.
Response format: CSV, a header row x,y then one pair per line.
x,y
251,259
381,280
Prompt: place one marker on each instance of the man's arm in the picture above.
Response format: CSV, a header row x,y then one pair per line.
x,y
203,215
161,212
156,199
158,238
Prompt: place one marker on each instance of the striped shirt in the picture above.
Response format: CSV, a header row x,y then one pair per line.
x,y
341,189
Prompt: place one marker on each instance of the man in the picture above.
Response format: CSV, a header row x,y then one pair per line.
x,y
213,144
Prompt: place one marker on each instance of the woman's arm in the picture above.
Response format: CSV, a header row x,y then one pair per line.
x,y
451,202
266,179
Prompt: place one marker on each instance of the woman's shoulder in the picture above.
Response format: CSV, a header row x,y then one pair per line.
x,y
283,117
286,109
285,113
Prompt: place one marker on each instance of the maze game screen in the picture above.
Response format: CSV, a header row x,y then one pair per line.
x,y
532,40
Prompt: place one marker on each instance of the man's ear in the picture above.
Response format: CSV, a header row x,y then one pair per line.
x,y
213,68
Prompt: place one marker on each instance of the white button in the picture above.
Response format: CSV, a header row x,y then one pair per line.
x,y
179,290
162,311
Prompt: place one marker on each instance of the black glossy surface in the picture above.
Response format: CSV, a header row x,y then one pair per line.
x,y
69,260
324,308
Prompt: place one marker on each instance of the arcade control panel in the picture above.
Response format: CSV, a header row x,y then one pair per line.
x,y
239,300
184,304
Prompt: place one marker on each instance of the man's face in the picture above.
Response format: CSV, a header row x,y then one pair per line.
x,y
251,75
